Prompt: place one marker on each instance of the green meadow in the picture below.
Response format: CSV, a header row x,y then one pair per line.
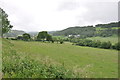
x,y
112,39
85,62
99,28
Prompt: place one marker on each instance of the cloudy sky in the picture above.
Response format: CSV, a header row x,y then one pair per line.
x,y
51,15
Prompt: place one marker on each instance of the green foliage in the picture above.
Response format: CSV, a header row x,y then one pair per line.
x,y
102,30
28,68
42,35
106,45
19,37
26,36
117,46
112,39
113,24
5,22
107,32
48,37
97,44
61,41
83,31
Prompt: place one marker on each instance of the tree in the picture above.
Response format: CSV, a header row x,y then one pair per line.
x,y
42,35
48,37
5,27
26,36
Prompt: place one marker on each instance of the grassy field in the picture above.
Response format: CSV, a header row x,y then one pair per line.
x,y
84,61
112,39
99,28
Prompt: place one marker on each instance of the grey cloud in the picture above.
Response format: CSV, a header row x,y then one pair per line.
x,y
68,5
119,10
100,11
97,11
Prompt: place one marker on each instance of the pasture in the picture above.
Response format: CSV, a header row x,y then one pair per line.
x,y
112,39
86,62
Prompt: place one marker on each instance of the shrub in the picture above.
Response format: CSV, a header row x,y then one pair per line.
x,y
117,46
61,41
13,38
20,37
97,44
106,45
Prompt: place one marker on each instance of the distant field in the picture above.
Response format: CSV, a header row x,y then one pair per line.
x,y
99,28
88,62
113,39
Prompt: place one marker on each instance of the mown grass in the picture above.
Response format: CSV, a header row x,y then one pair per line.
x,y
112,39
83,61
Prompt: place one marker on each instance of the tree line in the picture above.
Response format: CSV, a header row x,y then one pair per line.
x,y
42,36
113,24
96,44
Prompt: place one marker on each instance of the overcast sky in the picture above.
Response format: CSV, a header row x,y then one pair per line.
x,y
52,15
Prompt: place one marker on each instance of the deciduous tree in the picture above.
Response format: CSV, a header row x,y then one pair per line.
x,y
4,22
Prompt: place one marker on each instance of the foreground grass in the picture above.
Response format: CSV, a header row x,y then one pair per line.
x,y
17,66
83,61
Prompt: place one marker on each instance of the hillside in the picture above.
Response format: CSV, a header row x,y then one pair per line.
x,y
75,31
33,34
102,30
14,33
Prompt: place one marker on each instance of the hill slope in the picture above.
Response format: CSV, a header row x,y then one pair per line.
x,y
75,31
103,30
14,33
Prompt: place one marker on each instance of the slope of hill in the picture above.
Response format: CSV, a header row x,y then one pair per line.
x,y
33,34
102,30
89,31
14,33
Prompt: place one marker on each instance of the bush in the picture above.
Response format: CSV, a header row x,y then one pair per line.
x,y
13,38
97,44
20,37
61,41
28,68
106,45
52,41
116,46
